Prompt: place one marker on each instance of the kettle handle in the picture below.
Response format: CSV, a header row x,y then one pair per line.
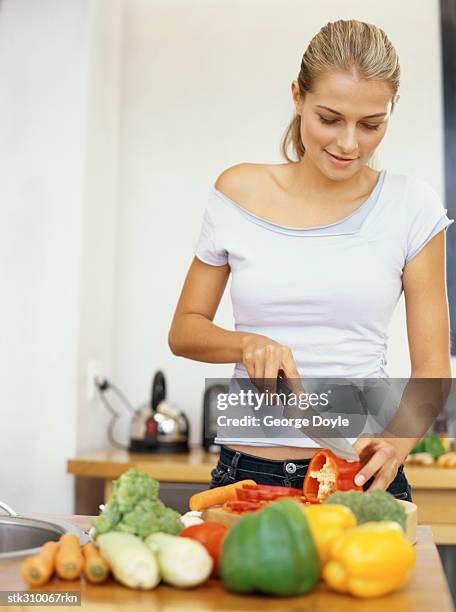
x,y
158,389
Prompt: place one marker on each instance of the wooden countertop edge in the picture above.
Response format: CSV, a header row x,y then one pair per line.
x,y
196,467
183,473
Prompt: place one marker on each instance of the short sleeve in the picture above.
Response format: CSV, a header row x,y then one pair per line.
x,y
207,248
426,216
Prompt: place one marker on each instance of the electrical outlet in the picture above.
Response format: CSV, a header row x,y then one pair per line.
x,y
94,370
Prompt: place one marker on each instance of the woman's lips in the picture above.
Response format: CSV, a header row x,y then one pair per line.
x,y
338,161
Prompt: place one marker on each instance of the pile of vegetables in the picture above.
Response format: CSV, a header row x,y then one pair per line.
x,y
432,450
138,536
134,537
135,508
430,444
281,545
285,548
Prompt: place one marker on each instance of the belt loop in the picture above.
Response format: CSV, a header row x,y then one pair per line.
x,y
234,463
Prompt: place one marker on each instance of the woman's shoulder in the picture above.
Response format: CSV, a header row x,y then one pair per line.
x,y
420,195
247,183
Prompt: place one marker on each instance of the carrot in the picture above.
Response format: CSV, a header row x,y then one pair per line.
x,y
69,560
37,570
96,568
217,496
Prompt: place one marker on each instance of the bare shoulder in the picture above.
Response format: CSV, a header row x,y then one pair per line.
x,y
239,181
244,183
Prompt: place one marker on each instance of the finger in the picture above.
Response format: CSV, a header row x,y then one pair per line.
x,y
259,370
362,446
291,372
271,370
375,463
381,482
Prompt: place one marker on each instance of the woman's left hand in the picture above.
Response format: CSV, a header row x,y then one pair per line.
x,y
379,459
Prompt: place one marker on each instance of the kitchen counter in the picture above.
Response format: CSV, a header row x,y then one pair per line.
x,y
434,489
426,590
194,466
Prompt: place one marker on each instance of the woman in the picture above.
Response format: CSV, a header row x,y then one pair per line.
x,y
320,250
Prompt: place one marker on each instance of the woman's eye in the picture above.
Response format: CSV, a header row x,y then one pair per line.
x,y
323,120
371,127
331,121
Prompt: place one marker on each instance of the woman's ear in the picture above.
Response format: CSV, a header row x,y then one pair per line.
x,y
296,96
395,101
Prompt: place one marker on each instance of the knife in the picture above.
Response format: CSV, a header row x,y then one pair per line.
x,y
340,445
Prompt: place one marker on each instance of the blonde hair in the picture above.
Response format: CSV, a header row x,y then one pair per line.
x,y
345,46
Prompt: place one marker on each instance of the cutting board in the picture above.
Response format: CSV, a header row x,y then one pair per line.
x,y
219,515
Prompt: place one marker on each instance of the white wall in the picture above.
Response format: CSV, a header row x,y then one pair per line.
x,y
207,85
43,92
59,182
100,215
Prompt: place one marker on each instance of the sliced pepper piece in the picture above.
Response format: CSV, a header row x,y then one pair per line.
x,y
328,473
236,505
266,492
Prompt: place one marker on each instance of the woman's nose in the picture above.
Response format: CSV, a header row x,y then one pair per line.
x,y
347,143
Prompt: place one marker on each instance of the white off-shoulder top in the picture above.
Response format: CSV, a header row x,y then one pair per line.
x,y
327,292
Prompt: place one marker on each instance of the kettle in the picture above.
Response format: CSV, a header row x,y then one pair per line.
x,y
159,427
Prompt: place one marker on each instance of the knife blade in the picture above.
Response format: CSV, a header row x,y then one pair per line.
x,y
338,444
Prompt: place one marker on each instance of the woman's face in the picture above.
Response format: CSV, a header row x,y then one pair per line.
x,y
338,118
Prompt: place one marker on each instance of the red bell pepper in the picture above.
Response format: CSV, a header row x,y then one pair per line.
x,y
238,506
328,473
265,492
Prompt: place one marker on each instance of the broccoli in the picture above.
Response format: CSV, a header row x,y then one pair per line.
x,y
133,486
169,522
149,517
109,517
374,506
135,508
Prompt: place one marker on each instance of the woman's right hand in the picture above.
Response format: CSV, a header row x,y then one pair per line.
x,y
265,360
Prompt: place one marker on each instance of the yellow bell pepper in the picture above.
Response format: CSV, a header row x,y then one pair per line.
x,y
327,522
370,560
446,444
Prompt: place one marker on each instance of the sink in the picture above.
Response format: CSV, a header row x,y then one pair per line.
x,y
21,536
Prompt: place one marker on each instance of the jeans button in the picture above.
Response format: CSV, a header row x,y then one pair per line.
x,y
290,468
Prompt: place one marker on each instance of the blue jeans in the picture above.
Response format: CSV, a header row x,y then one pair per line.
x,y
234,466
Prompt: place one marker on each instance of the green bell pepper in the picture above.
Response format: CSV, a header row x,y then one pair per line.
x,y
271,551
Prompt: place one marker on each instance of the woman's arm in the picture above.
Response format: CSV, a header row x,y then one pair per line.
x,y
192,333
428,332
